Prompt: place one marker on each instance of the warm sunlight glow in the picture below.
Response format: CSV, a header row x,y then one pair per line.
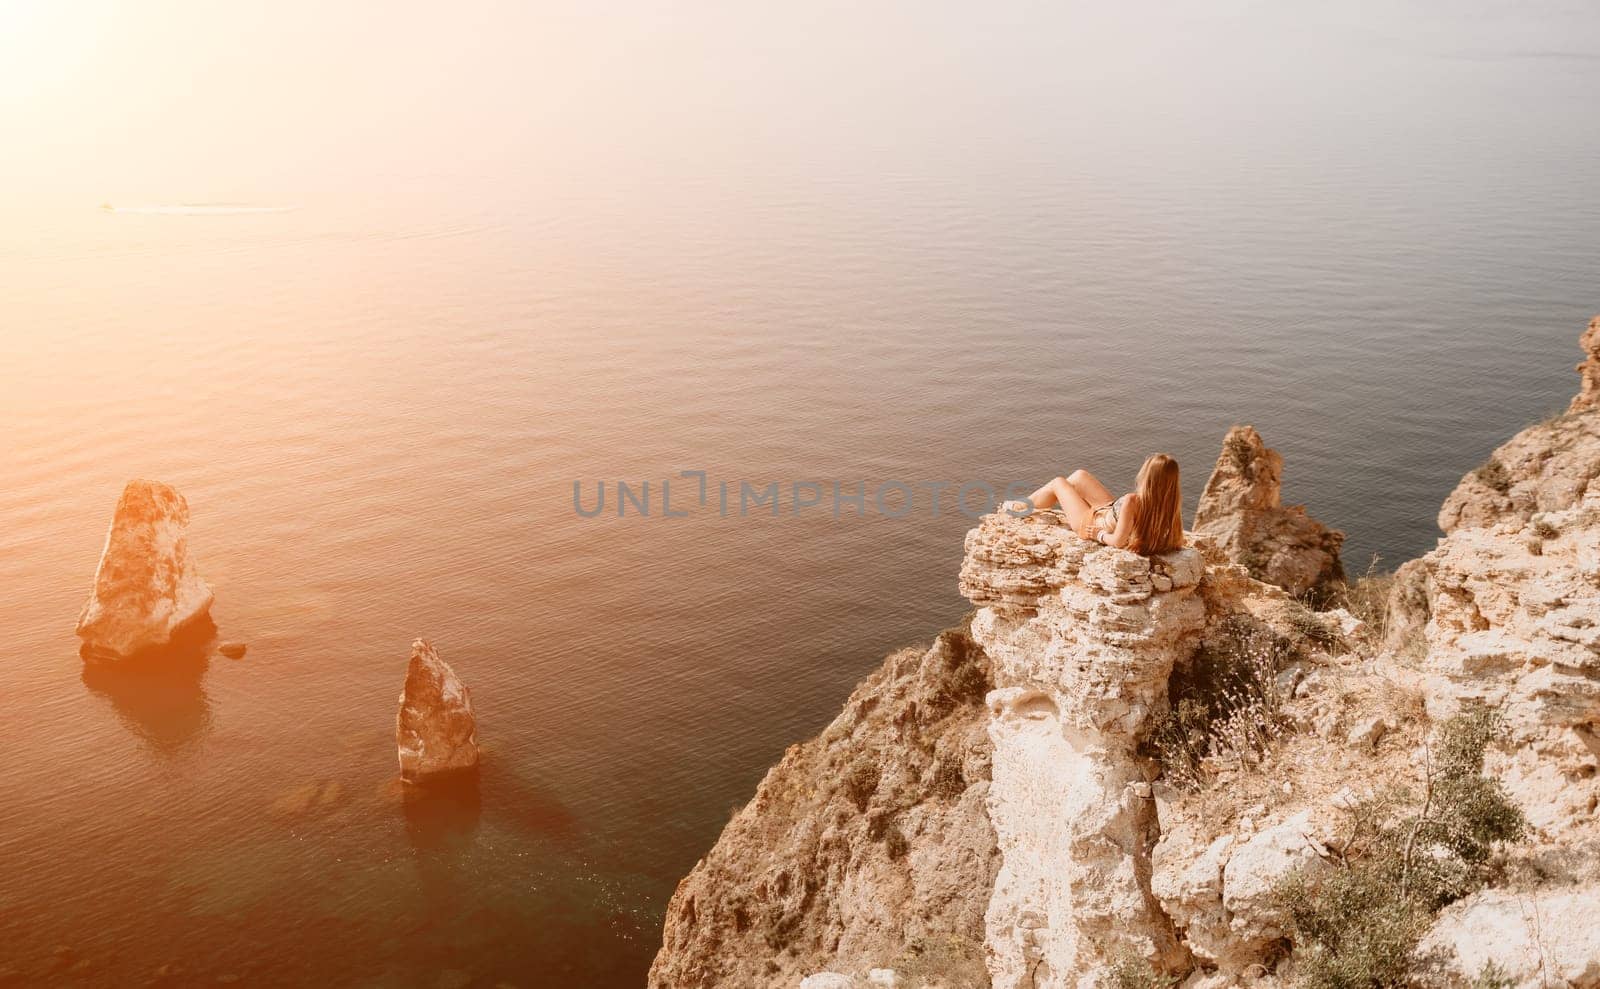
x,y
629,388
44,45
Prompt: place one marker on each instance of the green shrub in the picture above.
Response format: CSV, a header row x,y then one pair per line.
x,y
1492,976
1356,926
1350,930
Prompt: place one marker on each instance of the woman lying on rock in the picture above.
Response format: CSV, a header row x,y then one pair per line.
x,y
1147,520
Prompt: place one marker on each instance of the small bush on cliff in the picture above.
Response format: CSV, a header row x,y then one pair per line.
x,y
862,783
1367,598
1315,629
1224,706
946,961
1239,451
1404,856
949,782
1492,976
1129,971
1494,475
1350,931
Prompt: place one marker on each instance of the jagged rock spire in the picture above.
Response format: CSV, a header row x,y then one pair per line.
x,y
1241,518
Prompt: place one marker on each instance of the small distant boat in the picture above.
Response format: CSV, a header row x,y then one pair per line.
x,y
196,209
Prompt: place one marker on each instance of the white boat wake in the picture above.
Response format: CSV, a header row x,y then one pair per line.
x,y
196,209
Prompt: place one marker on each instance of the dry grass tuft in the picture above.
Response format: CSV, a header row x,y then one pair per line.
x,y
1225,707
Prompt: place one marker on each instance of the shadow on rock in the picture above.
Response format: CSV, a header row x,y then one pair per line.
x,y
160,693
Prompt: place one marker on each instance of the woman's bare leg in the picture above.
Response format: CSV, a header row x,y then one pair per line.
x,y
1059,493
1090,488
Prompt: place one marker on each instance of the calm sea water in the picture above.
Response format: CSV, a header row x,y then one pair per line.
x,y
976,261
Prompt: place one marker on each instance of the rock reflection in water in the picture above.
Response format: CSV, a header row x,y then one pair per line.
x,y
444,812
160,694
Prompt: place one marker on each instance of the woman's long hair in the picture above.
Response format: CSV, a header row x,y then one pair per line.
x,y
1158,509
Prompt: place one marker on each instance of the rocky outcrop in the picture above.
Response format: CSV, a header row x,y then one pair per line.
x,y
1082,639
1548,467
1219,891
1588,397
1104,855
1534,939
1509,616
436,732
866,847
147,589
982,810
1507,613
1241,518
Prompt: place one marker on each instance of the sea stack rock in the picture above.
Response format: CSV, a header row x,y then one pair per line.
x,y
1242,516
146,588
436,731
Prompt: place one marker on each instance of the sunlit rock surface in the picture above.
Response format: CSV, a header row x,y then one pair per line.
x,y
865,848
1241,514
1537,939
1588,397
1101,855
1082,639
147,588
436,731
1506,612
1547,467
1219,889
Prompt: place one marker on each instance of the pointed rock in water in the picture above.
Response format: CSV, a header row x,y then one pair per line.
x,y
436,731
147,588
1241,513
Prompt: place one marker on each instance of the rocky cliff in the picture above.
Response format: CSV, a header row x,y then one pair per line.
x,y
1241,517
1166,762
865,847
1506,613
1082,639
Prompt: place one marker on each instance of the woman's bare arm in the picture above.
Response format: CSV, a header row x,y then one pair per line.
x,y
1124,530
